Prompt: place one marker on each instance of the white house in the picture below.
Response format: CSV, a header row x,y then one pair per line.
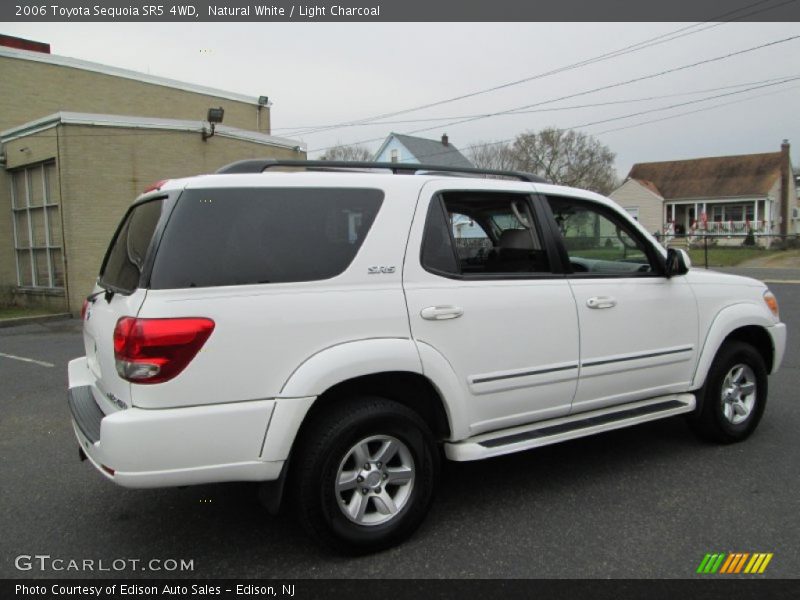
x,y
723,196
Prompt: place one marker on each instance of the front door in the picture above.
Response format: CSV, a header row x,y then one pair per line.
x,y
638,329
482,298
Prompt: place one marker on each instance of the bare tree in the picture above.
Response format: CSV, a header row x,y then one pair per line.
x,y
492,155
345,152
566,157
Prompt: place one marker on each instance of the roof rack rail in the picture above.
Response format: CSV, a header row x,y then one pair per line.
x,y
259,165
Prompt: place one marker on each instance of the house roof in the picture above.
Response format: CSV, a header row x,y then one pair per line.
x,y
427,151
649,185
713,177
130,122
66,61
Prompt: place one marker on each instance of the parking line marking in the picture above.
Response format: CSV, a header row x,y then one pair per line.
x,y
30,360
792,281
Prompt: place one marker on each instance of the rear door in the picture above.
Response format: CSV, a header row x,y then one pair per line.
x,y
117,294
482,296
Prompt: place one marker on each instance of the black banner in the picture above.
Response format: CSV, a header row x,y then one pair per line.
x,y
399,10
396,589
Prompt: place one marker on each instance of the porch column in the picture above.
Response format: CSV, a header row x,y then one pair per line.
x,y
755,213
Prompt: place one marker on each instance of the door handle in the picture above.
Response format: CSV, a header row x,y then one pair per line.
x,y
601,302
441,313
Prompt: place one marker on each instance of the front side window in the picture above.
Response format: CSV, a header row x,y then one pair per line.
x,y
597,240
482,233
37,227
241,236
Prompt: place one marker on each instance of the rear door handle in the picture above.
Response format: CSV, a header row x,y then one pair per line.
x,y
441,313
601,302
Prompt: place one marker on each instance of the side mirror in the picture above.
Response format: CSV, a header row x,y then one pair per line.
x,y
678,262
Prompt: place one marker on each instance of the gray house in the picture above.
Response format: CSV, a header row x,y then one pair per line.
x,y
409,149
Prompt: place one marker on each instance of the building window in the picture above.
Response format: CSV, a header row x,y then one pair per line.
x,y
395,155
633,211
37,227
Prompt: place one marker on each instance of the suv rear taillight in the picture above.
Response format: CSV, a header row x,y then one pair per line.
x,y
156,350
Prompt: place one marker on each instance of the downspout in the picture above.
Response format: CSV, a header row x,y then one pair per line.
x,y
61,213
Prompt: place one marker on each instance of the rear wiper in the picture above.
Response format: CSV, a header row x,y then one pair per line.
x,y
107,292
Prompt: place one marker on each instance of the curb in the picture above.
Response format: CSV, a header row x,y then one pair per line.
x,y
29,320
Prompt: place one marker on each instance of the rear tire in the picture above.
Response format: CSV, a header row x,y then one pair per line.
x,y
364,475
734,397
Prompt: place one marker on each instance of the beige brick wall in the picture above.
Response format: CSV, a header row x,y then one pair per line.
x,y
102,170
631,194
32,90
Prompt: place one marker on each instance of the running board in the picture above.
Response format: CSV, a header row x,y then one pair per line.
x,y
580,425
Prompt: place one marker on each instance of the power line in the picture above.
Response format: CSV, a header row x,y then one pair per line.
x,y
563,108
592,90
628,116
657,40
699,110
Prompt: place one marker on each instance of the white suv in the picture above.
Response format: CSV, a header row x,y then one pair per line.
x,y
332,328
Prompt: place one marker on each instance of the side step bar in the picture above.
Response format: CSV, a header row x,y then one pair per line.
x,y
584,424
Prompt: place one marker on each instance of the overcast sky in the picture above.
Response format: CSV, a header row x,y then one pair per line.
x,y
325,73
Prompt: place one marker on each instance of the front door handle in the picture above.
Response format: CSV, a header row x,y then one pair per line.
x,y
601,302
441,313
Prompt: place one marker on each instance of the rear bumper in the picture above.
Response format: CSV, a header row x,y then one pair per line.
x,y
139,448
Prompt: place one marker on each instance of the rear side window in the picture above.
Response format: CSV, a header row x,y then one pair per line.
x,y
125,259
232,236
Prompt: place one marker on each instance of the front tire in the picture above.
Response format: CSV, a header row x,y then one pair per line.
x,y
365,474
735,395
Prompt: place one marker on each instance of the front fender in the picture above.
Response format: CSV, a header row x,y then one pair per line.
x,y
728,320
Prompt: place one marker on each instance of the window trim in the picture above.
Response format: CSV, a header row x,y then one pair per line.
x,y
548,246
657,262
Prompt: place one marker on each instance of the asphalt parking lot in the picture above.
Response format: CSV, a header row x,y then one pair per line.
x,y
638,503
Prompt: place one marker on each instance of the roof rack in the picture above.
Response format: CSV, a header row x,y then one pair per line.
x,y
259,165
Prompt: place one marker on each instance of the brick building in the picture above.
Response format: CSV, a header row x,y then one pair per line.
x,y
79,141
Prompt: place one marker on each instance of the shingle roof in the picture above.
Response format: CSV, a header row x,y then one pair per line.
x,y
432,152
649,185
714,177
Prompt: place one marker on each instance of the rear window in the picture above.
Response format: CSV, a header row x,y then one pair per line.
x,y
125,259
262,235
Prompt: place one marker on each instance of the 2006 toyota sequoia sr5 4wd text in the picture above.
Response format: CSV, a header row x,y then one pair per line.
x,y
334,328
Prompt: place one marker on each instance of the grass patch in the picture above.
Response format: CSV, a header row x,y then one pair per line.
x,y
14,312
728,257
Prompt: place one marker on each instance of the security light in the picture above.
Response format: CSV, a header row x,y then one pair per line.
x,y
214,116
263,100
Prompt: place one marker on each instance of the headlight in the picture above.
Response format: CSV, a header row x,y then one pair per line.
x,y
772,304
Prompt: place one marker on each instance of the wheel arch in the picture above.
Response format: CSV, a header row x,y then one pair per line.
x,y
408,388
741,322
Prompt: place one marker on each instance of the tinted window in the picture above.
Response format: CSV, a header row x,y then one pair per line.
x,y
437,251
125,259
597,240
262,235
494,233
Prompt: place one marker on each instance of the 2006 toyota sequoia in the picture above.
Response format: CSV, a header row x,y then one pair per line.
x,y
333,329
